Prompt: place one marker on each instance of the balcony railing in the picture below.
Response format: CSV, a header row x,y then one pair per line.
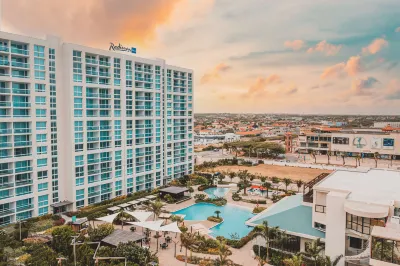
x,y
19,51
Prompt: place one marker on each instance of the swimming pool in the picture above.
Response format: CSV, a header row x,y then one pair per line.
x,y
234,218
216,192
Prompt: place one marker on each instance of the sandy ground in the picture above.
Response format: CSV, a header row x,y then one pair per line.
x,y
294,173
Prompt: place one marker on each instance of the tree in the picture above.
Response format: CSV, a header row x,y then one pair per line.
x,y
62,238
102,230
225,146
232,175
168,198
275,180
299,183
223,253
312,155
326,260
314,249
267,233
267,186
287,182
343,155
358,160
329,154
244,178
155,207
84,255
294,261
134,253
42,255
217,212
263,179
188,240
376,158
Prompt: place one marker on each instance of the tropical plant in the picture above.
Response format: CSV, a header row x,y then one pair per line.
x,y
155,207
135,254
376,158
84,255
223,253
294,261
217,212
326,260
299,183
100,232
287,182
244,178
275,180
312,154
267,233
358,160
232,175
263,179
314,250
267,186
343,155
42,255
188,240
168,198
329,154
62,237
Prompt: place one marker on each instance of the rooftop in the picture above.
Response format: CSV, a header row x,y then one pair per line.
x,y
378,186
291,216
122,236
174,190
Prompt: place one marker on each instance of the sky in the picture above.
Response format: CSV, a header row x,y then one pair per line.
x,y
248,56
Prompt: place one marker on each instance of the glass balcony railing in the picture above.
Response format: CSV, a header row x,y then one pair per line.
x,y
5,212
104,63
4,63
92,139
91,128
15,50
92,161
6,185
93,73
104,74
22,130
141,98
93,194
19,64
105,159
24,207
23,169
21,91
105,127
23,182
92,95
21,104
91,61
105,96
22,143
5,144
106,190
6,171
5,104
4,48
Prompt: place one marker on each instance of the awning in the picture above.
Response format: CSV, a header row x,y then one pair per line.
x,y
61,203
152,225
109,218
133,202
165,215
142,200
114,208
366,210
140,215
151,197
386,232
124,205
172,227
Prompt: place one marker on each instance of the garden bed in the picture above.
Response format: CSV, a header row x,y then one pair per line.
x,y
215,219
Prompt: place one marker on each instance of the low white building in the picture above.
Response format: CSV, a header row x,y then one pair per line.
x,y
357,213
202,139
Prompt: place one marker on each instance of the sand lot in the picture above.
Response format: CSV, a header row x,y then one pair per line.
x,y
295,173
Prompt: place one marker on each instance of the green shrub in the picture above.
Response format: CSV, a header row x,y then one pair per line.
x,y
214,219
258,209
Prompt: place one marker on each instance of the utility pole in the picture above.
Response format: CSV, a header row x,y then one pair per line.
x,y
74,237
20,222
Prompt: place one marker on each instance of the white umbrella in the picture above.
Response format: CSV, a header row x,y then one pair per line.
x,y
109,218
152,225
172,227
201,229
141,216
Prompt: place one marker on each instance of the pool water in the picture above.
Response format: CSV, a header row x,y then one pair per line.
x,y
234,218
216,192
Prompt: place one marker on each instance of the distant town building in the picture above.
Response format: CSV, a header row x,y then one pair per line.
x,y
384,124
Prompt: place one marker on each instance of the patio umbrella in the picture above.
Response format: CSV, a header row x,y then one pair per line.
x,y
109,218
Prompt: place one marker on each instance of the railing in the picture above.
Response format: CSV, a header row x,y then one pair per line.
x,y
320,208
15,50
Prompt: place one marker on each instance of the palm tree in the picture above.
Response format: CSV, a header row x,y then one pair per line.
x,y
155,207
223,253
267,186
294,261
299,183
267,233
217,212
231,175
358,160
326,261
312,154
263,179
343,156
287,182
376,158
329,154
188,240
244,178
314,250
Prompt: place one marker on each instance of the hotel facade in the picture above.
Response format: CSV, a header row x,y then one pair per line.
x,y
80,125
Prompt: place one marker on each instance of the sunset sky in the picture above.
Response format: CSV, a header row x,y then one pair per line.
x,y
249,56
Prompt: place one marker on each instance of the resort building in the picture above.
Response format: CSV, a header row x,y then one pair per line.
x,y
355,212
80,125
215,138
351,142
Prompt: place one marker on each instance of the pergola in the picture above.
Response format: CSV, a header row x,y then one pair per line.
x,y
122,236
175,192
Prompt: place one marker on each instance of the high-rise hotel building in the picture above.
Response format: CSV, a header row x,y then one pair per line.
x,y
80,125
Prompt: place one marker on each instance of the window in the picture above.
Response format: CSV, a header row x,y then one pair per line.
x,y
80,194
41,137
361,224
79,181
40,112
42,175
40,87
41,150
79,160
38,51
320,226
42,162
385,250
77,90
40,75
43,204
40,125
43,186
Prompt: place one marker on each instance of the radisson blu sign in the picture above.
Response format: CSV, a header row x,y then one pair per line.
x,y
121,48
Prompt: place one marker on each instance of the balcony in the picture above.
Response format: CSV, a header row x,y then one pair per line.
x,y
92,73
5,104
22,104
6,185
92,95
106,190
4,63
4,48
15,50
93,194
6,171
93,172
92,161
5,90
20,91
24,207
104,74
105,159
19,64
23,169
104,63
90,61
5,212
22,130
22,143
23,182
92,139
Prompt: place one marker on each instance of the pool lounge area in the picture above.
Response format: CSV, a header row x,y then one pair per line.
x,y
234,218
216,192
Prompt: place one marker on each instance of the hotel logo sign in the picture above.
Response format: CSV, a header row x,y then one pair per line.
x,y
121,48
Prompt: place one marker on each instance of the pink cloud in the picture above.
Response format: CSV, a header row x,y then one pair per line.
x,y
215,73
352,67
259,86
295,45
363,86
375,46
326,48
393,90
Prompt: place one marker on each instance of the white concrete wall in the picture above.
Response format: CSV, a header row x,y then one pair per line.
x,y
335,238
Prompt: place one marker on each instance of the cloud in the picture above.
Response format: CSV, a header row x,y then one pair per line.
x,y
91,22
351,68
398,29
258,87
295,45
363,86
326,48
375,46
328,84
215,73
289,90
393,90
